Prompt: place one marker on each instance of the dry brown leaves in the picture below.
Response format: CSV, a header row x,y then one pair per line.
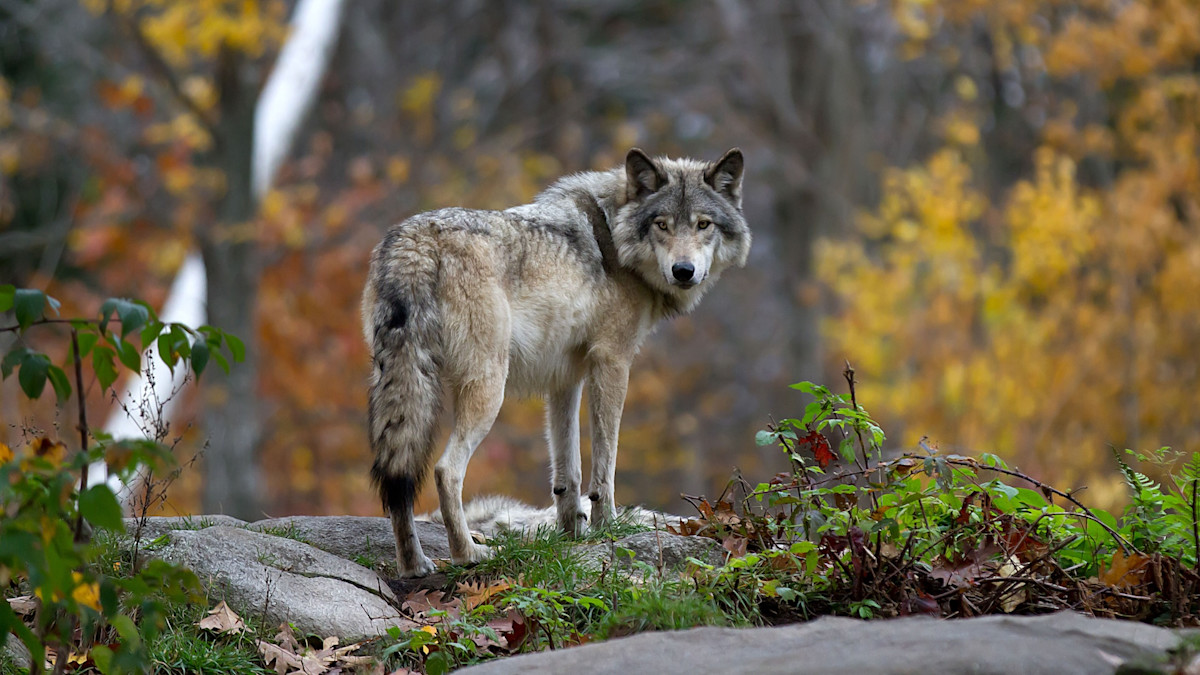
x,y
421,604
1125,571
221,619
722,523
479,593
292,657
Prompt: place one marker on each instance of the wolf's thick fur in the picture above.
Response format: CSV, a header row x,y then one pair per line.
x,y
493,514
534,300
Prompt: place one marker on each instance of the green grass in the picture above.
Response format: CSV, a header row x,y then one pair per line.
x,y
653,608
567,598
183,648
185,652
289,532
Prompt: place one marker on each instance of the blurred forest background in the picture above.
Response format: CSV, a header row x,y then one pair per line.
x,y
991,208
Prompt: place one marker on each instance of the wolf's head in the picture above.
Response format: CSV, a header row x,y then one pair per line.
x,y
682,222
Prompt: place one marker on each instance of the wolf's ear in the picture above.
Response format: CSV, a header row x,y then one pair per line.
x,y
642,175
725,176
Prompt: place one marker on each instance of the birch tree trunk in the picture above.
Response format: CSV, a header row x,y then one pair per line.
x,y
254,135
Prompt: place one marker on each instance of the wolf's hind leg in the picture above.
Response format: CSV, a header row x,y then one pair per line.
x,y
476,405
562,434
409,556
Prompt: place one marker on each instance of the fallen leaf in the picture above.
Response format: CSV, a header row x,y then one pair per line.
x,y
1124,572
294,658
422,602
1017,593
222,619
519,632
725,514
476,594
735,544
283,659
687,528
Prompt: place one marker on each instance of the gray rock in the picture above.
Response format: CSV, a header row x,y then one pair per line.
x,y
282,580
1058,644
355,537
16,651
654,548
155,526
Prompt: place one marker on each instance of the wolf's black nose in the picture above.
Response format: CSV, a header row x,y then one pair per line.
x,y
683,271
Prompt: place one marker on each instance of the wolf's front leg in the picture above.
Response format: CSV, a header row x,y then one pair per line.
x,y
562,433
607,382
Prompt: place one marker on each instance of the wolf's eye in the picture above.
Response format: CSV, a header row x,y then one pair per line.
x,y
703,224
661,223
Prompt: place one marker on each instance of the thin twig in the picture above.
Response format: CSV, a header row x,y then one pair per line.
x,y
40,322
83,428
1195,525
848,373
1087,513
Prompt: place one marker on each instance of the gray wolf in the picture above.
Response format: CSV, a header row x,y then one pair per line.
x,y
543,299
493,514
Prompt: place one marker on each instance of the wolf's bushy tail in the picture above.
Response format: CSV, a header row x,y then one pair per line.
x,y
403,327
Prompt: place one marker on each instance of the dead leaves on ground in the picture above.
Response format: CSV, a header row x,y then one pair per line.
x,y
737,534
290,656
478,593
222,620
438,608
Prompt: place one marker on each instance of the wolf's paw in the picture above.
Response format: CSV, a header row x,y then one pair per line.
x,y
572,523
602,515
422,568
474,553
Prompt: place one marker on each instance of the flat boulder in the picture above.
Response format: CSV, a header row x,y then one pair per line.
x,y
1056,644
364,538
283,580
153,527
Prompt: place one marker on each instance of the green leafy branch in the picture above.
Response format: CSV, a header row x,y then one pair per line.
x,y
39,545
92,337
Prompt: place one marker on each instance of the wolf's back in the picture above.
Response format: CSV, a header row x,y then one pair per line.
x,y
402,327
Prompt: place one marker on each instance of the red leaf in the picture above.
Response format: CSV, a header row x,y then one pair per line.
x,y
823,453
519,634
820,447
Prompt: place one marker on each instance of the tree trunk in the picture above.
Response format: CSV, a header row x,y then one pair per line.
x,y
231,420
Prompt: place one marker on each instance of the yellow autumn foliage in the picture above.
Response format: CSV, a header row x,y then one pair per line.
x,y
184,30
1055,317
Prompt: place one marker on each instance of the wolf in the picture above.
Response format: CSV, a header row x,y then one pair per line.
x,y
544,299
494,514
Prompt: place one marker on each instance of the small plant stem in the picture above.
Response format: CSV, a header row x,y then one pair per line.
x,y
848,373
83,426
1195,525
